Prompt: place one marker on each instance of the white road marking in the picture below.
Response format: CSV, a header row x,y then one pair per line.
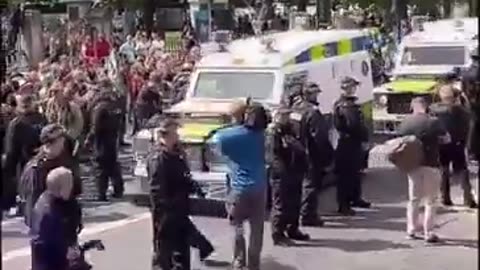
x,y
88,231
11,221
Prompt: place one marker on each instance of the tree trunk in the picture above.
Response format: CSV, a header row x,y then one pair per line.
x,y
148,13
473,8
129,22
266,11
302,5
447,8
388,17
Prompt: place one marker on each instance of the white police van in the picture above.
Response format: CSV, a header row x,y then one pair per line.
x,y
262,68
433,50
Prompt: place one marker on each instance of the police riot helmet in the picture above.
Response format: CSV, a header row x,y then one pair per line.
x,y
312,88
348,83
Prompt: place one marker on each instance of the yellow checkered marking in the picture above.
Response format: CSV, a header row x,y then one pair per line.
x,y
344,46
317,52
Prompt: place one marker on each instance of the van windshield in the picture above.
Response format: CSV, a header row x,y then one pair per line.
x,y
434,55
231,85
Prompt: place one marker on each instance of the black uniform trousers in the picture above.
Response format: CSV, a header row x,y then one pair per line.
x,y
195,239
349,187
286,202
349,161
171,241
122,118
107,167
311,186
454,155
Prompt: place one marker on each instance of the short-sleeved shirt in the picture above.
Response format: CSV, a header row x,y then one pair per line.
x,y
428,130
244,149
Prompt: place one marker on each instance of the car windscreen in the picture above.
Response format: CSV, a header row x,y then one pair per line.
x,y
434,55
230,85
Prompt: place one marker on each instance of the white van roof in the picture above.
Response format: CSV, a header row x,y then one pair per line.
x,y
463,30
290,47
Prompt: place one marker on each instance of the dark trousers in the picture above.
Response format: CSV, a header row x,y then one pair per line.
x,y
286,202
454,155
311,185
349,187
108,169
173,254
122,118
195,239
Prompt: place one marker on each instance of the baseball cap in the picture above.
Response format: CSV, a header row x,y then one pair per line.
x,y
51,132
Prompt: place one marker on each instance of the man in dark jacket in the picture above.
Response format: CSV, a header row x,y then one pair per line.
x,y
312,131
287,161
349,155
22,140
471,90
103,136
148,103
55,152
456,119
170,187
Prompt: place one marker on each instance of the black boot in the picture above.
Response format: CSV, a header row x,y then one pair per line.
x,y
102,198
469,201
361,204
281,240
312,222
346,211
298,235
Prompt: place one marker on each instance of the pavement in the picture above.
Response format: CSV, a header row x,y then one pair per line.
x,y
374,239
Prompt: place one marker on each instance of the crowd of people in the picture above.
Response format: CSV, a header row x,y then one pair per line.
x,y
73,108
79,101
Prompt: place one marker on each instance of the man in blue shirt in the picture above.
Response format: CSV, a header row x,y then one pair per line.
x,y
244,147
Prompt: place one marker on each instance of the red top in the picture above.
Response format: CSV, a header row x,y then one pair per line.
x,y
103,48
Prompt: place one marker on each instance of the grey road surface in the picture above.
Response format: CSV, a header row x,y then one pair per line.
x,y
374,239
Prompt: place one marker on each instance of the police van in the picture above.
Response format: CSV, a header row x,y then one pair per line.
x,y
263,68
433,50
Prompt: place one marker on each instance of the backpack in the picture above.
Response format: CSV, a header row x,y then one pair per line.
x,y
406,152
30,188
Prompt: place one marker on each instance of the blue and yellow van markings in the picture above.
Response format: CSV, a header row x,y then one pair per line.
x,y
332,49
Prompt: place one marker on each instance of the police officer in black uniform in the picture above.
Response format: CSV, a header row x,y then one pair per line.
x,y
22,139
349,154
456,119
287,162
170,187
471,91
103,136
312,131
